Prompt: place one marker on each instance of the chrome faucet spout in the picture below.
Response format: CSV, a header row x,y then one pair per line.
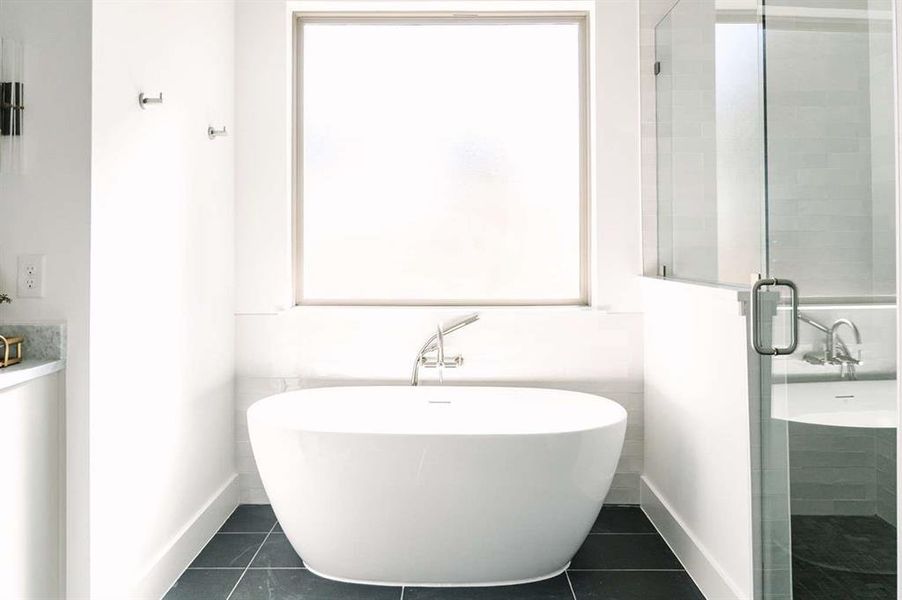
x,y
839,323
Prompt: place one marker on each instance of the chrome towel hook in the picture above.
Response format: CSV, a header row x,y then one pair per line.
x,y
215,133
144,100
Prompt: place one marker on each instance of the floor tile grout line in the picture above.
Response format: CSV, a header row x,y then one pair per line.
x,y
624,570
623,533
243,573
242,568
570,583
402,591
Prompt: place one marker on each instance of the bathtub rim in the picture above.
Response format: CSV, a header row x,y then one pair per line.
x,y
622,415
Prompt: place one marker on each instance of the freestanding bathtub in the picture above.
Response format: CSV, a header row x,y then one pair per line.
x,y
439,486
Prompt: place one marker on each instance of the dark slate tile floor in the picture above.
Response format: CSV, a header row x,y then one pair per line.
x,y
847,557
623,558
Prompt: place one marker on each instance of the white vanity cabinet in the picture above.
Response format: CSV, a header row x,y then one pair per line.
x,y
32,491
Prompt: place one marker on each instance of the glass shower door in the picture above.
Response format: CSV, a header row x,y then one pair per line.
x,y
828,510
775,158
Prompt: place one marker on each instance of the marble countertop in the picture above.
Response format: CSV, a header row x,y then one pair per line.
x,y
28,369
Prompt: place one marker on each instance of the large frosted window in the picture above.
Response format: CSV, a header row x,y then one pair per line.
x,y
442,162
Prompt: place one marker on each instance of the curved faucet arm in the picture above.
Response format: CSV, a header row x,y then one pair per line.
x,y
833,339
447,328
840,322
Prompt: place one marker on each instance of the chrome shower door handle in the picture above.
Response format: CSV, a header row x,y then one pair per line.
x,y
755,327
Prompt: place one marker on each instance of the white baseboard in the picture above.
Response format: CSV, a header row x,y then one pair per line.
x,y
185,545
710,578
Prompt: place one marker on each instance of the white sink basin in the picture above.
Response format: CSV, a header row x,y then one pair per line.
x,y
837,403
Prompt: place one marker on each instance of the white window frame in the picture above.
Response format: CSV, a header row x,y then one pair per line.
x,y
401,11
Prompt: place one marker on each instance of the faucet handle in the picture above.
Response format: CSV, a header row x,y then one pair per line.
x,y
450,362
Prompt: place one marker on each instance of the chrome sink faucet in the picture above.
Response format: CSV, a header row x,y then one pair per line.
x,y
835,350
436,343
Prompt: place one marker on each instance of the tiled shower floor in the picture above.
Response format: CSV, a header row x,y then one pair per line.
x,y
623,558
853,558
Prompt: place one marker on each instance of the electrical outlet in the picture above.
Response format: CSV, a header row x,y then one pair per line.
x,y
31,276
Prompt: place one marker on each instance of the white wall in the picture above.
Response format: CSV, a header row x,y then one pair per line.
x,y
46,210
281,347
697,435
162,274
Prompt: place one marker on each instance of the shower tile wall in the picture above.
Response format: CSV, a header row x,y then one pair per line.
x,y
702,141
686,142
885,448
842,471
883,146
828,191
650,12
833,470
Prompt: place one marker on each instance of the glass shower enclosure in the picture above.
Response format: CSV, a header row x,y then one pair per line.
x,y
775,165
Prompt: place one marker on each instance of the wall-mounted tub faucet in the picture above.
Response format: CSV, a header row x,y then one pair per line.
x,y
844,358
835,350
436,343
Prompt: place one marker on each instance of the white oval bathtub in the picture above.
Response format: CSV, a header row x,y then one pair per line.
x,y
436,486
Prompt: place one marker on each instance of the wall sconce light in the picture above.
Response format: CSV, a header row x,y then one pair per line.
x,y
12,103
12,106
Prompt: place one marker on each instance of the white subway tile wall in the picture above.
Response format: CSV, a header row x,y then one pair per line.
x,y
885,447
320,347
842,471
829,159
833,470
650,13
830,150
702,143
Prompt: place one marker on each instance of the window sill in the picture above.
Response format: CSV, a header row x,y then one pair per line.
x,y
357,309
444,307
